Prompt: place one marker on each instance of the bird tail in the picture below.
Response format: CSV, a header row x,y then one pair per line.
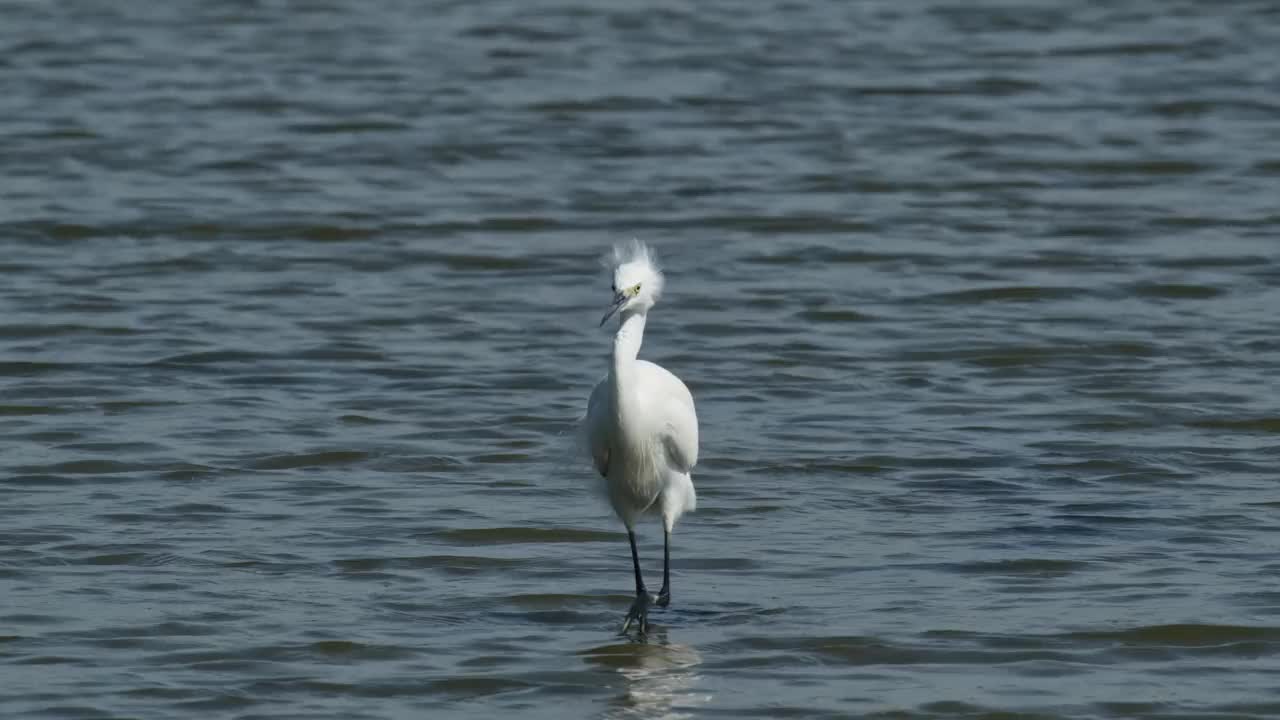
x,y
678,498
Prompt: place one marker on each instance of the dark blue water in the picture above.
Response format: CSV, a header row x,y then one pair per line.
x,y
299,306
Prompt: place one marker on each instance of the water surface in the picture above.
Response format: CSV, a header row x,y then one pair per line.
x,y
299,305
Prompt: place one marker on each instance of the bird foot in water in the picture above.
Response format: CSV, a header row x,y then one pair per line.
x,y
638,615
663,599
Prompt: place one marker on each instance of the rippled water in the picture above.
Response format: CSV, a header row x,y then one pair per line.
x,y
977,302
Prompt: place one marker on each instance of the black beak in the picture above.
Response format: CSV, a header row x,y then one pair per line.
x,y
618,301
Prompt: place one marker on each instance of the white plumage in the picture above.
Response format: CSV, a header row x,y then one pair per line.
x,y
641,427
645,456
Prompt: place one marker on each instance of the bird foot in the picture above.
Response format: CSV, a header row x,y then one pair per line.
x,y
663,599
638,615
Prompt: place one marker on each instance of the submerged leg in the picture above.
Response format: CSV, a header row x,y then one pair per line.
x,y
664,595
639,612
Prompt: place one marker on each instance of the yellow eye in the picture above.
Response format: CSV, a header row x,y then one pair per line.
x,y
635,290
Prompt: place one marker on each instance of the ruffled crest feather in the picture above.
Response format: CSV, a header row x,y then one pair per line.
x,y
635,259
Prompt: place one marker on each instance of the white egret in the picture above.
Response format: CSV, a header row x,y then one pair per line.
x,y
641,427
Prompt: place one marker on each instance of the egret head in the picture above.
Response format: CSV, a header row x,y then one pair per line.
x,y
637,281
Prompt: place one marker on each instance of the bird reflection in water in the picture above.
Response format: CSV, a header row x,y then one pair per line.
x,y
660,679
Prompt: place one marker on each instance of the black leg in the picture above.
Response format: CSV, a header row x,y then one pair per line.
x,y
635,562
664,595
639,612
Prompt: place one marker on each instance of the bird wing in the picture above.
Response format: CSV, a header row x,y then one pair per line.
x,y
679,429
595,427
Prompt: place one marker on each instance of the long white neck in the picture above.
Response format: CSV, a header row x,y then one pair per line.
x,y
626,343
626,346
